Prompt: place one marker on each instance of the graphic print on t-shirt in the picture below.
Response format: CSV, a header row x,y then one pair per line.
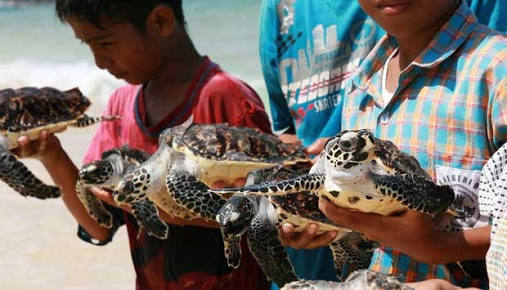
x,y
313,77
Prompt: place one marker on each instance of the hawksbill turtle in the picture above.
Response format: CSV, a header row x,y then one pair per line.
x,y
361,279
260,217
358,171
190,158
28,111
106,173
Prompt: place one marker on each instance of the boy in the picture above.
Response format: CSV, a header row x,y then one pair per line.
x,y
308,51
436,87
145,43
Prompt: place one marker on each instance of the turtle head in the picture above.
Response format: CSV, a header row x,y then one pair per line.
x,y
349,153
96,173
235,215
132,187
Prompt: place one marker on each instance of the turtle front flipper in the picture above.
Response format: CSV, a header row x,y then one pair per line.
x,y
18,177
86,120
269,252
232,249
94,206
146,213
350,253
415,192
193,194
307,182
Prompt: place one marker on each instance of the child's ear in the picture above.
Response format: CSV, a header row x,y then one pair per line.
x,y
161,20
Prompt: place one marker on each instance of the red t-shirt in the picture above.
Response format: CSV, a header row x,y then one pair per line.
x,y
192,257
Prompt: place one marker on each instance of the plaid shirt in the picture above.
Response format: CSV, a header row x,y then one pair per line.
x,y
449,110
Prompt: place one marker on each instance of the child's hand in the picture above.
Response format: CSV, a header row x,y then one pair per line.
x,y
108,198
221,184
435,284
411,232
45,148
308,239
316,147
290,138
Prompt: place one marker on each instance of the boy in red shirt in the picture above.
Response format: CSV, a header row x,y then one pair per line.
x,y
145,43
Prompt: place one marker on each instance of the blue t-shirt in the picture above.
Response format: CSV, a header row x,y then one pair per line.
x,y
308,50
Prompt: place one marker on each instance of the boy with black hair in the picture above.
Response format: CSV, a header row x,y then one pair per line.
x,y
145,43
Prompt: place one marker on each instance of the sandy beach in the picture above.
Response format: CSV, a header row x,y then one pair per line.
x,y
39,246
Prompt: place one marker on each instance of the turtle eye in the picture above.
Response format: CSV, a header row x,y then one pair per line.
x,y
348,144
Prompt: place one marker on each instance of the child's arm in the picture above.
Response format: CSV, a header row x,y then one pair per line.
x,y
413,233
64,174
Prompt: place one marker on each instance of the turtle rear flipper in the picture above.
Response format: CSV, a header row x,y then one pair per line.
x,y
351,253
86,120
415,192
146,213
232,249
193,194
269,252
18,177
94,206
307,182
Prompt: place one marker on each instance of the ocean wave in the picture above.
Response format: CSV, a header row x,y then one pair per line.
x,y
96,84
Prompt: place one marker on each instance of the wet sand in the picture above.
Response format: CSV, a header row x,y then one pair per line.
x,y
39,248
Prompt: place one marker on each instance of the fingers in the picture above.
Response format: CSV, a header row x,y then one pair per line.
x,y
366,223
27,148
316,147
104,196
290,138
218,184
308,239
221,183
239,182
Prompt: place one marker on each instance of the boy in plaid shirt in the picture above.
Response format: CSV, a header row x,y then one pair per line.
x,y
436,86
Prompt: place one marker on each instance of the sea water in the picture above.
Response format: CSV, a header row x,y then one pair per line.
x,y
36,49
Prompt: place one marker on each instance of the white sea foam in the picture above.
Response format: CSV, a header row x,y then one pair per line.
x,y
96,84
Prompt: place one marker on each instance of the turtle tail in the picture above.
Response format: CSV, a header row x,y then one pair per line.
x,y
18,177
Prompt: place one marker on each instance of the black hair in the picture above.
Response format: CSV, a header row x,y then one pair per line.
x,y
134,11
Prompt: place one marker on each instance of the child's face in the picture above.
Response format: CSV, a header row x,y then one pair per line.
x,y
121,49
406,18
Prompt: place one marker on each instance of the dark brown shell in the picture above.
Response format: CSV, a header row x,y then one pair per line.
x,y
399,161
224,142
26,108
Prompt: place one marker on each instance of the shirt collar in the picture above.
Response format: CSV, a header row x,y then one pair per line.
x,y
445,42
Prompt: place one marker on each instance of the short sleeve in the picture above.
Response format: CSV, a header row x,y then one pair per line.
x,y
499,114
226,99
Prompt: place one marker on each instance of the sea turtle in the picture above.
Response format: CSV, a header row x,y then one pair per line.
x,y
28,111
260,217
358,280
106,173
358,171
192,157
